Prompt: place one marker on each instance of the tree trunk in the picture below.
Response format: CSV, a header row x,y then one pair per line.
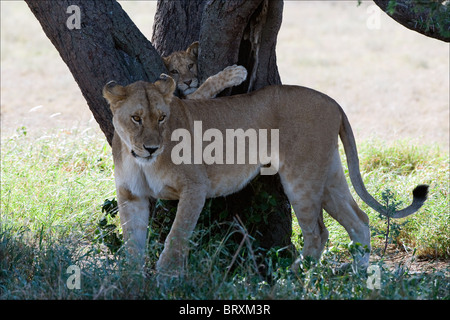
x,y
234,32
177,25
108,46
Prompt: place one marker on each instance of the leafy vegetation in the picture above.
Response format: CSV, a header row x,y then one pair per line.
x,y
54,216
427,15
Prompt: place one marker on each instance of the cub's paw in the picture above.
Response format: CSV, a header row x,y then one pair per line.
x,y
234,75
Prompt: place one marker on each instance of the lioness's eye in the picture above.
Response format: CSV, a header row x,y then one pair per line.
x,y
190,66
136,119
174,71
162,118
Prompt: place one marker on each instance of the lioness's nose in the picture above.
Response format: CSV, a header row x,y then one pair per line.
x,y
151,150
188,82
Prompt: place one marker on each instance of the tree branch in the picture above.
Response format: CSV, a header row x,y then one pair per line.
x,y
430,18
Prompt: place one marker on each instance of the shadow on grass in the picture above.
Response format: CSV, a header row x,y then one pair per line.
x,y
34,269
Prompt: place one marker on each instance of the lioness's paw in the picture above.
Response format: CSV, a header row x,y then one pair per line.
x,y
234,75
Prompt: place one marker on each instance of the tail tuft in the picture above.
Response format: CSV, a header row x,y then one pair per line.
x,y
420,193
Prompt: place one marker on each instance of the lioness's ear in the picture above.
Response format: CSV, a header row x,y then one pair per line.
x,y
166,85
193,49
113,93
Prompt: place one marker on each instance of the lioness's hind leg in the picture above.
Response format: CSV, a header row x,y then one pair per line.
x,y
305,195
315,234
339,203
308,211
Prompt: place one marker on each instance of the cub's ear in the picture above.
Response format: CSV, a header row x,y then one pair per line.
x,y
113,93
166,85
193,49
166,61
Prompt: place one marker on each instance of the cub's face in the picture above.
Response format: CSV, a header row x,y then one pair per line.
x,y
140,113
182,66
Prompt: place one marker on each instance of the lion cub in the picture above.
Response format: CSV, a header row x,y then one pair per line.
x,y
182,66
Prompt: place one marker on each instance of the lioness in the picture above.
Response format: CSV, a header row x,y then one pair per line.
x,y
145,116
182,66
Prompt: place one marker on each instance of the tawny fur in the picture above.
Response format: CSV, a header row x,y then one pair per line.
x,y
182,66
309,124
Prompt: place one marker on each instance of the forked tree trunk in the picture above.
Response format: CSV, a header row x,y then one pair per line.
x,y
109,46
234,32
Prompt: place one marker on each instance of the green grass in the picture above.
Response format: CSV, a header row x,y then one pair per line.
x,y
400,168
52,189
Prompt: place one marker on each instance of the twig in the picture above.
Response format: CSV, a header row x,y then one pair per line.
x,y
387,235
234,258
388,225
245,239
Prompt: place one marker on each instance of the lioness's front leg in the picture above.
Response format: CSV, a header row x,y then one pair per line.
x,y
134,214
171,261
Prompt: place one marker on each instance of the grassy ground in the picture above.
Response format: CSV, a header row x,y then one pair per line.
x,y
53,182
52,190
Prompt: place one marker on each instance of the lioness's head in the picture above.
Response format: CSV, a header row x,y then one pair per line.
x,y
182,66
140,111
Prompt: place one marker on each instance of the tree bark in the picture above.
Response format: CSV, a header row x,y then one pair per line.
x,y
108,46
430,18
176,25
245,32
235,32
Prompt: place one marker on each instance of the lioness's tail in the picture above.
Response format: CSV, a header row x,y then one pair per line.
x,y
348,140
